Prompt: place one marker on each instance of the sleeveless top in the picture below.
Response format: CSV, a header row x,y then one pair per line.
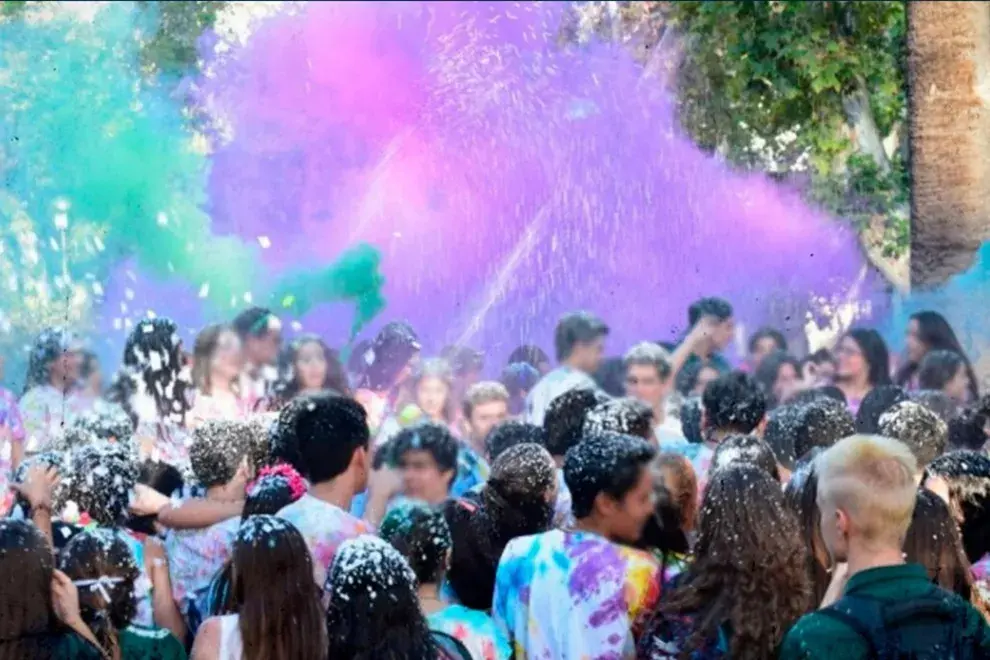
x,y
231,647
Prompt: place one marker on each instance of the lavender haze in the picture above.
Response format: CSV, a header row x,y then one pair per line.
x,y
505,178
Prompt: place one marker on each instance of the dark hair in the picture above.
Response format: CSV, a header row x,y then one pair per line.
x,y
288,385
937,335
687,378
530,354
519,378
938,368
801,495
318,435
421,535
804,397
108,606
430,437
389,354
373,611
748,573
918,428
734,402
968,476
513,503
611,376
164,478
356,359
933,541
276,487
564,419
28,626
675,509
745,450
768,333
626,416
781,431
577,328
511,433
938,402
106,422
769,370
273,591
875,353
691,420
253,322
99,479
821,424
49,345
153,361
718,308
607,463
966,430
217,450
463,359
89,364
820,356
204,348
878,401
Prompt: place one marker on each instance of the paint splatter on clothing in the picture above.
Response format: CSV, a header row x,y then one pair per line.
x,y
555,383
142,586
207,408
11,433
572,595
45,410
164,442
474,629
324,527
563,515
194,558
981,578
472,470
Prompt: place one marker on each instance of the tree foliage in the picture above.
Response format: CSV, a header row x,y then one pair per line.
x,y
173,48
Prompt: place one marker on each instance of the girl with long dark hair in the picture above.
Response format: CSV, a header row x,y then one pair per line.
x,y
946,372
216,373
309,366
277,613
747,584
929,331
779,374
864,364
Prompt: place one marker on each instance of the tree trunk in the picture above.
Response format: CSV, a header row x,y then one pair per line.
x,y
949,89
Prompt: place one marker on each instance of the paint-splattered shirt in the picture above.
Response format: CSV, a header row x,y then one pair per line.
x,y
45,410
472,470
572,595
563,516
324,527
474,629
195,556
11,433
165,442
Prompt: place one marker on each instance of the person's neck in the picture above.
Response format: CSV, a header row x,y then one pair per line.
x,y
704,350
220,389
660,413
861,558
338,492
63,385
475,444
571,364
854,388
714,437
429,598
224,493
593,525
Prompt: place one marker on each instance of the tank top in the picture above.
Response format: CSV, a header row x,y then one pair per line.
x,y
231,647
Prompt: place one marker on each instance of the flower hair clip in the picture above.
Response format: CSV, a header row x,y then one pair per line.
x,y
297,485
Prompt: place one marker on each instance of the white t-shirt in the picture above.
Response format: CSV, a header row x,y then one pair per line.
x,y
560,380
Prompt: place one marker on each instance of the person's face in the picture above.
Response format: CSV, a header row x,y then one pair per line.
x,y
65,368
852,362
627,517
588,356
94,384
916,348
764,346
544,368
724,333
788,381
705,376
643,382
311,366
817,375
227,358
958,388
485,416
264,350
835,531
422,478
431,397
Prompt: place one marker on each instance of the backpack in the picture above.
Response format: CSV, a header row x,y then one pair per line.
x,y
931,626
448,647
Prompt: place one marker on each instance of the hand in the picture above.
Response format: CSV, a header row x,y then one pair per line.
x,y
65,599
154,555
384,483
148,501
703,331
38,486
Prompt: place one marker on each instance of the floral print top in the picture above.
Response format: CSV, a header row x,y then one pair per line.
x,y
474,629
44,411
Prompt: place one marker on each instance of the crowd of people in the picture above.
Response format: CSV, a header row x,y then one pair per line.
x,y
268,500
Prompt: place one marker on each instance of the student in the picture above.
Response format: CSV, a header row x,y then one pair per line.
x,y
511,433
218,457
928,331
260,332
746,585
533,356
485,405
388,364
519,378
277,611
762,343
561,593
104,571
51,398
821,423
580,343
624,416
669,533
325,437
780,376
946,372
422,536
649,379
308,366
745,450
734,404
217,364
962,478
875,404
867,492
919,429
818,369
714,318
373,610
864,364
781,431
801,495
564,424
426,456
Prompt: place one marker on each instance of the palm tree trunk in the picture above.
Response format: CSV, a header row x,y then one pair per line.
x,y
949,98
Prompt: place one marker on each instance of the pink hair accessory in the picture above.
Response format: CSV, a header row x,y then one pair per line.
x,y
297,485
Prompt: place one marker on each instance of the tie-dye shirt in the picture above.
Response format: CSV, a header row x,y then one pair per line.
x,y
11,433
570,595
563,516
324,527
474,629
195,556
472,471
981,578
45,410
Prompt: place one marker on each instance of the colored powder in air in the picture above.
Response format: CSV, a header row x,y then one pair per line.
x,y
506,178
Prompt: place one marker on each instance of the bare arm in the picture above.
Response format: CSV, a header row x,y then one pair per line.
x,y
166,612
207,644
199,513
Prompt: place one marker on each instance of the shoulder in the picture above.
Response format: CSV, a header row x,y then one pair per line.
x,y
208,637
820,635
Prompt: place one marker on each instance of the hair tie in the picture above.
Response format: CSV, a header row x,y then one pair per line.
x,y
101,584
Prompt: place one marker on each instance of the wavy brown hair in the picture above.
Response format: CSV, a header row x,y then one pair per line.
x,y
749,569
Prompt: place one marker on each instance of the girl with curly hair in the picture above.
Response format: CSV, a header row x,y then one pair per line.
x,y
748,583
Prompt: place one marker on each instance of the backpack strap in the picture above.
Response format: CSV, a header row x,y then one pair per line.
x,y
864,616
449,646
